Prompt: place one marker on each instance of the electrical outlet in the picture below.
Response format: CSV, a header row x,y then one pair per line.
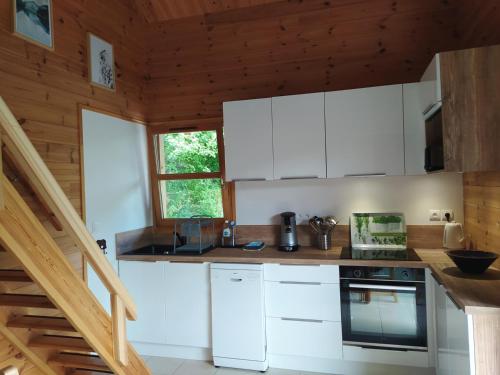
x,y
434,215
446,211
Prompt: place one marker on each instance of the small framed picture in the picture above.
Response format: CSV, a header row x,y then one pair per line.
x,y
101,63
32,21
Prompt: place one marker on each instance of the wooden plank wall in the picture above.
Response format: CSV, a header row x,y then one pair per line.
x,y
291,47
45,88
482,210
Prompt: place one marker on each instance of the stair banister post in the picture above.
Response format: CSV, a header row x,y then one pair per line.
x,y
119,319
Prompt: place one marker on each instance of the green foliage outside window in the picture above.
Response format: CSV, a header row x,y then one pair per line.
x,y
191,152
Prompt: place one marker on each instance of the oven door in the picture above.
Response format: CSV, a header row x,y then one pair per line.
x,y
384,313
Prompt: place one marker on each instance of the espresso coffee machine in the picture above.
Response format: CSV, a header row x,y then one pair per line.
x,y
288,238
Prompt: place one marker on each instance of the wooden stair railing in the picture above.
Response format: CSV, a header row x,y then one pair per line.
x,y
46,186
24,237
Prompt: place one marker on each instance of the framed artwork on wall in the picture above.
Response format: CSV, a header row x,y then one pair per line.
x,y
32,21
101,63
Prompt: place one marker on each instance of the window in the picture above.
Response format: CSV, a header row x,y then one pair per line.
x,y
188,174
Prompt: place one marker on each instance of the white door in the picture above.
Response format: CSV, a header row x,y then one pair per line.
x,y
145,281
117,192
187,291
364,131
414,127
248,144
299,136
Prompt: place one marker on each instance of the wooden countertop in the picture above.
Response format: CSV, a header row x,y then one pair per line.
x,y
475,294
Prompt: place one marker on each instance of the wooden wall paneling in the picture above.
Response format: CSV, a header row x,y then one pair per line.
x,y
44,90
288,48
471,119
482,210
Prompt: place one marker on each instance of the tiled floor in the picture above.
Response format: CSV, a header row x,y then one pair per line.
x,y
176,366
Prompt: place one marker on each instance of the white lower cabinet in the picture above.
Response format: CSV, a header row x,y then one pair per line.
x,y
452,337
173,306
303,323
145,282
303,300
187,291
304,337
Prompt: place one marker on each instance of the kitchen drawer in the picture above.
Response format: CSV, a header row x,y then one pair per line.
x,y
303,301
318,339
303,273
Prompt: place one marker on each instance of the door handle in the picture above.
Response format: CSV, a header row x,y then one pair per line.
x,y
299,283
298,177
381,174
302,320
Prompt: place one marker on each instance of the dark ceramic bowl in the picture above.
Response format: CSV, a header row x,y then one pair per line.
x,y
472,261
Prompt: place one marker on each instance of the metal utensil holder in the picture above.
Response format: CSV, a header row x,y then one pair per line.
x,y
324,240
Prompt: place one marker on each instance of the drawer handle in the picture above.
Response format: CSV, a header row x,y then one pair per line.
x,y
236,280
302,320
299,283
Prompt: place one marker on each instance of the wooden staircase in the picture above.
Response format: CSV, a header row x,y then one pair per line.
x,y
61,328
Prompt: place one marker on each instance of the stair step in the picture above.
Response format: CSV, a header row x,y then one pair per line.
x,y
41,323
26,300
76,344
14,275
79,361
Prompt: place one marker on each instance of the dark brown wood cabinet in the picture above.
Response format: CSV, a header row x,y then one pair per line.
x,y
470,81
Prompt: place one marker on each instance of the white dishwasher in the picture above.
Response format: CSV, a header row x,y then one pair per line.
x,y
238,316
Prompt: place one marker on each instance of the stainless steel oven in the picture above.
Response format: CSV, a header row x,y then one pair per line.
x,y
384,307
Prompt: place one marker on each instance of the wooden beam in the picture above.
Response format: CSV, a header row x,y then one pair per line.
x,y
119,330
37,172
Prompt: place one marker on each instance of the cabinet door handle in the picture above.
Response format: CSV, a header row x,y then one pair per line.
x,y
453,300
236,280
302,320
248,179
300,282
381,174
298,177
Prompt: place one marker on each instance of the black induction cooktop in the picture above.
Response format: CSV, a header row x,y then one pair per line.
x,y
379,254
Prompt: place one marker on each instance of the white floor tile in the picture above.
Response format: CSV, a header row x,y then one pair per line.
x,y
162,365
232,371
196,368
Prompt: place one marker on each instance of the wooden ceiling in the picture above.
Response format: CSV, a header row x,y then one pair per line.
x,y
299,46
164,10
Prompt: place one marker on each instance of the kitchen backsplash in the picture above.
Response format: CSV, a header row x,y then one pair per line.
x,y
260,202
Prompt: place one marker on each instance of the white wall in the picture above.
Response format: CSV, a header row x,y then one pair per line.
x,y
260,202
117,184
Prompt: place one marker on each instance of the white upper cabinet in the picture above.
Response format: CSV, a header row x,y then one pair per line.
x,y
364,131
248,140
299,136
430,88
414,128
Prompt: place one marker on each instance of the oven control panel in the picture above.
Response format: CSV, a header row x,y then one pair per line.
x,y
382,273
